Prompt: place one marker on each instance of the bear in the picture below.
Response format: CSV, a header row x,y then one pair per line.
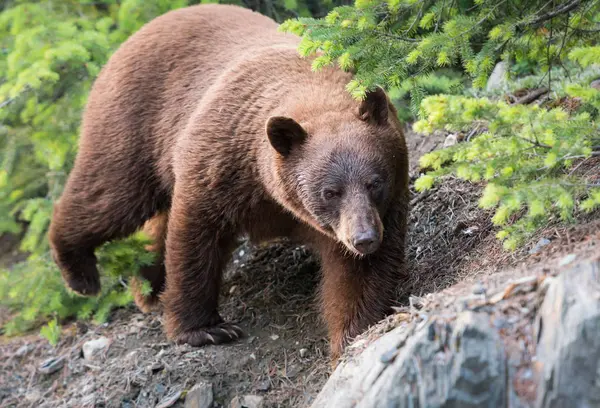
x,y
206,125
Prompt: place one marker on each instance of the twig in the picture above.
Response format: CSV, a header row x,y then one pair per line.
x,y
532,96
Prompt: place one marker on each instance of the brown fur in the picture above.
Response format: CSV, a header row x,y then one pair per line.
x,y
209,115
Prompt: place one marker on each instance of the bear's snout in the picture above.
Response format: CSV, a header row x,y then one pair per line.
x,y
361,229
366,242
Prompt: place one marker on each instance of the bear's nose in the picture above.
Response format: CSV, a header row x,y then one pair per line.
x,y
366,242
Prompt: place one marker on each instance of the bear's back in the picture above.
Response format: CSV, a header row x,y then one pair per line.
x,y
146,93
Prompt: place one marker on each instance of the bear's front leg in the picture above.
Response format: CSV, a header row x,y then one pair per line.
x,y
358,292
198,246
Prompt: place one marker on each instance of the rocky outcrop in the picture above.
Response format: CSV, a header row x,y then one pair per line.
x,y
568,333
535,343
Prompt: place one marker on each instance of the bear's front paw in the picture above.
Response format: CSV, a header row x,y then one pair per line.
x,y
218,334
88,285
79,271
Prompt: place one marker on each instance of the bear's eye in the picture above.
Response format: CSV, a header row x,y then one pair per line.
x,y
329,194
374,185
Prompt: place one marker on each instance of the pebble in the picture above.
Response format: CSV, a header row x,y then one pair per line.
x,y
33,396
200,396
450,141
471,230
154,368
292,371
274,337
170,399
160,389
24,349
93,348
247,401
497,80
232,289
264,386
51,365
303,352
538,247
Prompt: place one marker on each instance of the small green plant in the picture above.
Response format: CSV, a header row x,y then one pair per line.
x,y
51,332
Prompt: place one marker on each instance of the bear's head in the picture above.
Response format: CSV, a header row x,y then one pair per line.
x,y
339,171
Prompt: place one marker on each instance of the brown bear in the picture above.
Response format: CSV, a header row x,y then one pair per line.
x,y
209,123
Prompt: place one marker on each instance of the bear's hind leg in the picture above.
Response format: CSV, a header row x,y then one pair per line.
x,y
101,202
155,273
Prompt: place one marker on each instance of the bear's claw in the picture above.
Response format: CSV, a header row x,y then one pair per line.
x,y
219,334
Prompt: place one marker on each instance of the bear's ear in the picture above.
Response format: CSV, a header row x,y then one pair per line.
x,y
374,107
284,134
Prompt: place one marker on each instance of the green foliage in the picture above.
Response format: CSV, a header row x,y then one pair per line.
x,y
34,289
524,153
388,42
411,92
51,332
52,51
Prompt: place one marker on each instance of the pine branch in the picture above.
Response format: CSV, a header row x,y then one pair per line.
x,y
566,8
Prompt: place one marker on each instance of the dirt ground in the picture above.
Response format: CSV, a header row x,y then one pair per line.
x,y
270,292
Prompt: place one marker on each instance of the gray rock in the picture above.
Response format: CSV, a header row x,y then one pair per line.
x,y
437,367
462,362
497,81
353,377
94,349
568,333
466,370
200,396
247,401
450,140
